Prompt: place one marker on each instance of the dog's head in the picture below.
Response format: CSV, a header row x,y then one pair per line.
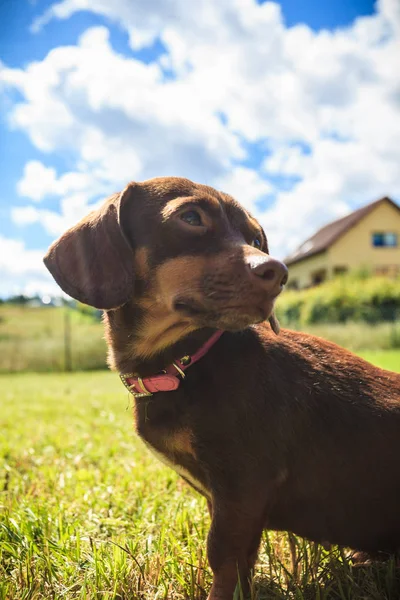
x,y
186,248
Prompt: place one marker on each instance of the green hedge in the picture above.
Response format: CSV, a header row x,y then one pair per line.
x,y
345,298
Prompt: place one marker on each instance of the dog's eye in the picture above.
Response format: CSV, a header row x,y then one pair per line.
x,y
192,217
257,243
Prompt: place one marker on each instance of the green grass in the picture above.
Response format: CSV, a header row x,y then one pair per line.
x,y
86,512
357,337
386,359
33,339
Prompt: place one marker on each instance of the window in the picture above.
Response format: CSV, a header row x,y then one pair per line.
x,y
339,270
318,276
384,240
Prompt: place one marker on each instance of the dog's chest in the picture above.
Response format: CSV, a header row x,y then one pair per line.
x,y
174,447
183,465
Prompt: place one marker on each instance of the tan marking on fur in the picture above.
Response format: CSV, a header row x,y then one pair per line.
x,y
174,205
181,441
179,204
141,262
162,326
254,225
179,469
156,335
181,276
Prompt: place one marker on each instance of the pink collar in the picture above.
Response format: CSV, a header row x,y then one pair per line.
x,y
171,377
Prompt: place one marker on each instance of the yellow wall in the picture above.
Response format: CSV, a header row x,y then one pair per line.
x,y
354,248
301,272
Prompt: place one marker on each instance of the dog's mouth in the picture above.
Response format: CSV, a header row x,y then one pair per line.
x,y
230,317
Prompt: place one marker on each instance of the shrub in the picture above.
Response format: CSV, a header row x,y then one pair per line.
x,y
350,297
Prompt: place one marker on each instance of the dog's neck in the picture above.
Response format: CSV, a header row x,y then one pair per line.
x,y
135,348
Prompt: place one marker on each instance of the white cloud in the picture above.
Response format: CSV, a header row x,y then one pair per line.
x,y
16,259
245,185
24,215
22,270
72,209
286,160
37,182
239,76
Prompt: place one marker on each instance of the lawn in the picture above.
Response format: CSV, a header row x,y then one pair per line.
x,y
87,512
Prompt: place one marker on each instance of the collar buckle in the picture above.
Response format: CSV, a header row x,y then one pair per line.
x,y
177,367
132,388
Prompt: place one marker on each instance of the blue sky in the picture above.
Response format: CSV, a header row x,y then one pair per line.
x,y
292,107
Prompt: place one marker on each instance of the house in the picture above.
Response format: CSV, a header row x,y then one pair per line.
x,y
367,238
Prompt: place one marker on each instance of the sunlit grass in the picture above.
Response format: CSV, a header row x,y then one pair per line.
x,y
87,512
386,359
358,337
33,339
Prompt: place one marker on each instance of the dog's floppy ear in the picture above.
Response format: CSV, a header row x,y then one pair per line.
x,y
273,321
93,261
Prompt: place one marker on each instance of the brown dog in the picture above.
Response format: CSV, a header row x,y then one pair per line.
x,y
289,432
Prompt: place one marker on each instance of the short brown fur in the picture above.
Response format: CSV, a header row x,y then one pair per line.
x,y
287,432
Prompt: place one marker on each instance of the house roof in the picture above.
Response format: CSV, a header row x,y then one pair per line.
x,y
326,236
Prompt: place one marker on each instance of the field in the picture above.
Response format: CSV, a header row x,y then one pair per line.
x,y
33,339
88,513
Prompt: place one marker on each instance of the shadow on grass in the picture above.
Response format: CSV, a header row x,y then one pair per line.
x,y
331,577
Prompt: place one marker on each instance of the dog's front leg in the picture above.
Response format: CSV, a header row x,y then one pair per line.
x,y
232,547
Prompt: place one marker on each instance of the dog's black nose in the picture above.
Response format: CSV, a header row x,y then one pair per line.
x,y
271,270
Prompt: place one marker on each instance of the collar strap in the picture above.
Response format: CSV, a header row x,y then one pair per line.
x,y
171,377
